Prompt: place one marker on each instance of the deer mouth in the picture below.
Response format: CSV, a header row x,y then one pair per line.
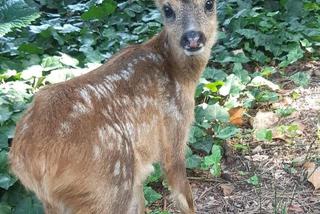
x,y
193,51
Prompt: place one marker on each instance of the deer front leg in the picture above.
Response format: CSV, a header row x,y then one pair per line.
x,y
175,169
137,202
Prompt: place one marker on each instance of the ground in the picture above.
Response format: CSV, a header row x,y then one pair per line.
x,y
280,165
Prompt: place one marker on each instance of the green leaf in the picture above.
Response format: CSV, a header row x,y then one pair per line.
x,y
203,144
151,195
5,113
267,96
15,14
285,111
301,79
214,86
28,205
254,180
232,86
156,175
214,160
51,63
214,74
215,113
5,208
226,133
264,135
100,11
193,161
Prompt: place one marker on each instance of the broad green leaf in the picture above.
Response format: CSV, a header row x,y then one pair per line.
x,y
5,208
203,144
100,11
151,195
193,161
301,79
214,74
264,135
254,180
226,133
15,14
232,86
5,113
213,113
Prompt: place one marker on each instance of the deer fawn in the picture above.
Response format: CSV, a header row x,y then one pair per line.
x,y
86,145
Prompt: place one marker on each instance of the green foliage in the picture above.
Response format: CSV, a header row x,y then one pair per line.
x,y
254,180
257,39
301,79
285,112
264,134
15,14
213,161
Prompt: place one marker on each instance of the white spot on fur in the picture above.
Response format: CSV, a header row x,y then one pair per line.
x,y
96,152
173,111
78,109
107,85
85,95
126,185
102,135
117,166
95,91
124,171
64,128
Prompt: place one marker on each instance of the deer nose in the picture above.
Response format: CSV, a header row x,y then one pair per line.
x,y
192,40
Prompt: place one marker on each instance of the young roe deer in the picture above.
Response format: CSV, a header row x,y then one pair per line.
x,y
86,145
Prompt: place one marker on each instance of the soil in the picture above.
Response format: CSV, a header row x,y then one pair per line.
x,y
282,185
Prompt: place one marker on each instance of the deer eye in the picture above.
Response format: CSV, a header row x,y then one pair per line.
x,y
209,5
168,12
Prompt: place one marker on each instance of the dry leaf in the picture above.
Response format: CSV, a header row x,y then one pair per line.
x,y
227,189
257,157
313,174
264,120
236,116
256,150
295,208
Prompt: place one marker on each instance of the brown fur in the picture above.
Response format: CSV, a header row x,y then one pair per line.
x,y
86,145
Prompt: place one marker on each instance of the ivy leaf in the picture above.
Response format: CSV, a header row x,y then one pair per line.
x,y
232,86
5,208
214,160
16,14
227,132
151,195
214,113
301,79
194,161
100,11
264,135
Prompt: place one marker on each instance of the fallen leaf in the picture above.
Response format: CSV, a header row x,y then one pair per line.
x,y
260,81
236,116
313,174
256,150
257,157
295,208
264,120
227,189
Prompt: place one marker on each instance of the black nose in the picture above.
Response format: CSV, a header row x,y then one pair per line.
x,y
192,40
